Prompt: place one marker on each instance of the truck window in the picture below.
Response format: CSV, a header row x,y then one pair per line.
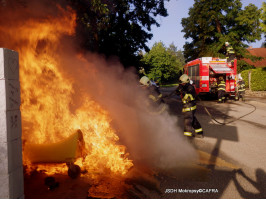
x,y
193,73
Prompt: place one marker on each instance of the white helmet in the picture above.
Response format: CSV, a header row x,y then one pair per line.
x,y
145,80
226,43
184,78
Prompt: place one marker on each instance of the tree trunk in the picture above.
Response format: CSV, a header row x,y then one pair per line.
x,y
218,26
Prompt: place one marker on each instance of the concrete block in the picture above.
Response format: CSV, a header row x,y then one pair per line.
x,y
11,167
3,127
11,170
3,159
9,64
14,155
13,125
4,187
12,185
9,95
10,125
16,184
10,156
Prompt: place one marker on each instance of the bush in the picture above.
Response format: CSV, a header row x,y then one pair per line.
x,y
258,79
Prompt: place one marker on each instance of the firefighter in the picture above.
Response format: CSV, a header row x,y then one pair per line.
x,y
142,71
155,105
221,90
230,53
187,93
241,89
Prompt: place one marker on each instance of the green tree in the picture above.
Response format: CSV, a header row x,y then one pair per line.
x,y
163,64
177,53
243,65
211,23
117,27
263,23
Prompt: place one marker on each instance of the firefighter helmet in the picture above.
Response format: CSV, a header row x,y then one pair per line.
x,y
184,78
144,80
221,78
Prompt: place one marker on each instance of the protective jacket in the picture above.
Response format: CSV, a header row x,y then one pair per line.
x,y
241,90
241,86
230,54
188,96
221,85
229,50
155,104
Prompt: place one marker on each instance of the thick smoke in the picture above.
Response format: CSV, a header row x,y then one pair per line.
x,y
150,138
155,140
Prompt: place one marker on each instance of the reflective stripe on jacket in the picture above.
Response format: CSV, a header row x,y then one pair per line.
x,y
230,50
221,86
189,109
187,98
241,86
188,94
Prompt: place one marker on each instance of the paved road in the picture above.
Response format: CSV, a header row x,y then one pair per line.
x,y
241,142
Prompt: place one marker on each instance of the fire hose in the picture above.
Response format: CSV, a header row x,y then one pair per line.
x,y
223,123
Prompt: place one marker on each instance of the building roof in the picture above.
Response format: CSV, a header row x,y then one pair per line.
x,y
260,52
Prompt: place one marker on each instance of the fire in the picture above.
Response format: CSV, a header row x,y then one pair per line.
x,y
46,98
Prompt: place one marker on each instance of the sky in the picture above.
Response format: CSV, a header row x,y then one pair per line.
x,y
170,28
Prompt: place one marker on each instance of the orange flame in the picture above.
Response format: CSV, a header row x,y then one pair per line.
x,y
47,95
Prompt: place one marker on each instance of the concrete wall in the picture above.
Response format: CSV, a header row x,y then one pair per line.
x,y
11,167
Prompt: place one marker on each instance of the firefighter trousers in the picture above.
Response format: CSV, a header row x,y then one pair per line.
x,y
241,95
230,58
190,123
221,96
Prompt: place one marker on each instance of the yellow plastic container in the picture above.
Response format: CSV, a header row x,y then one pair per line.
x,y
66,150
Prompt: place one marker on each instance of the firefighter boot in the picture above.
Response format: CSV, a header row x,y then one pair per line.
x,y
190,139
200,135
223,99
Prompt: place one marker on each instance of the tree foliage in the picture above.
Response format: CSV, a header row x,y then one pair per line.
x,y
162,63
211,23
263,23
117,27
243,65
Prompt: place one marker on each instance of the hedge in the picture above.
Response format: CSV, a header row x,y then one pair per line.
x,y
244,75
258,79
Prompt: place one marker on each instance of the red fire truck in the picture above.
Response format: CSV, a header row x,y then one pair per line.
x,y
205,72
